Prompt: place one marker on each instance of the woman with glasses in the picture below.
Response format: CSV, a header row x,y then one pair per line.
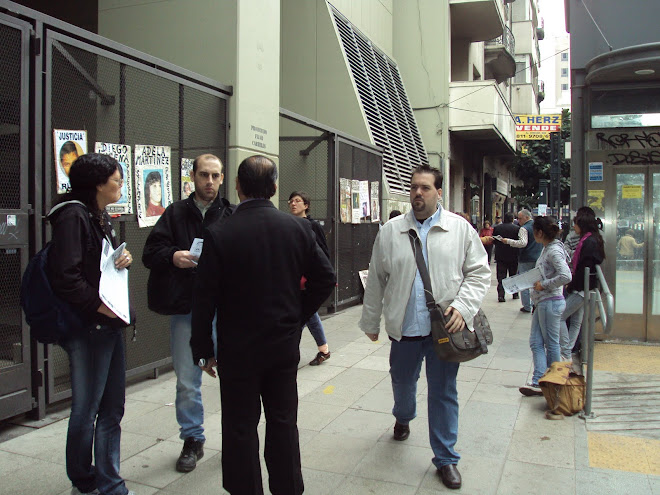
x,y
299,203
96,353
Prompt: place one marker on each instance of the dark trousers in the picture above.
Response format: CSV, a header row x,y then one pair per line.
x,y
98,386
504,268
241,396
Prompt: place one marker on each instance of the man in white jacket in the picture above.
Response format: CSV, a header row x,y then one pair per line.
x,y
459,271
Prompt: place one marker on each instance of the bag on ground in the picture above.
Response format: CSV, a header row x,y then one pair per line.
x,y
563,390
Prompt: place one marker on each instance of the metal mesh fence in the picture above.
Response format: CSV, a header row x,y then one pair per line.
x,y
126,104
10,101
10,311
355,241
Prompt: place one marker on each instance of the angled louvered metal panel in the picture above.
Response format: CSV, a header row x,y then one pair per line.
x,y
385,105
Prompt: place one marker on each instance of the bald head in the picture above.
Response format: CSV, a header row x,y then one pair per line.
x,y
257,177
205,157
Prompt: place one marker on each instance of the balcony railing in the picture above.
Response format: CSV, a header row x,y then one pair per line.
x,y
507,40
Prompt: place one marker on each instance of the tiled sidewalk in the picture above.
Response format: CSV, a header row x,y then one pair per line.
x,y
345,421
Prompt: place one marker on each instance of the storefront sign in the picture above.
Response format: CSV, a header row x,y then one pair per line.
x,y
537,127
595,171
502,187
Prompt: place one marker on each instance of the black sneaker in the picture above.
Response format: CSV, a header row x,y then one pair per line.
x,y
320,357
193,451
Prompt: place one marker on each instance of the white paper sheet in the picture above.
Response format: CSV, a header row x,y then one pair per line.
x,y
113,286
196,247
521,282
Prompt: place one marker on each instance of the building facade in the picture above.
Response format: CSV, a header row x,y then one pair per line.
x,y
615,82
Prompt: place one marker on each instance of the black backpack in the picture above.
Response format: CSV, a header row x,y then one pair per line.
x,y
50,318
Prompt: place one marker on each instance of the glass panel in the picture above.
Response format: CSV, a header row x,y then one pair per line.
x,y
630,243
655,236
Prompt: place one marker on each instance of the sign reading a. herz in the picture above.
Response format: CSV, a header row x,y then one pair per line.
x,y
537,126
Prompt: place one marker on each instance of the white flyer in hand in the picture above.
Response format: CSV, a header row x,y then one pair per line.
x,y
196,247
521,282
498,237
113,286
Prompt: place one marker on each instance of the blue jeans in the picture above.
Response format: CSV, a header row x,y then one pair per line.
x,y
544,337
188,404
405,364
97,360
525,298
316,329
575,311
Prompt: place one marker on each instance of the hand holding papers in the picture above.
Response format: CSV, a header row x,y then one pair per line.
x,y
113,287
498,237
521,282
196,248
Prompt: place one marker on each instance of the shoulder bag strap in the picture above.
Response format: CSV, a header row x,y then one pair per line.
x,y
421,266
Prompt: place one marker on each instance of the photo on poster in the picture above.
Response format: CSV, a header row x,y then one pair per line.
x,y
187,184
153,182
365,207
375,202
121,153
355,195
68,145
345,200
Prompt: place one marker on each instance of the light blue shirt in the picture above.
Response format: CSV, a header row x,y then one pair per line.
x,y
417,320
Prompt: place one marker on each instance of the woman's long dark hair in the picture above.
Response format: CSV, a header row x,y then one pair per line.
x,y
87,172
589,223
152,178
547,225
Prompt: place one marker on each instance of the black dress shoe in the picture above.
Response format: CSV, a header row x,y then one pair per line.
x,y
500,299
450,476
525,310
516,296
401,432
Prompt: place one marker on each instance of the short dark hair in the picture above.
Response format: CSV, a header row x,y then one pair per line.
x,y
87,172
394,213
257,176
68,147
547,225
307,201
508,217
427,169
206,156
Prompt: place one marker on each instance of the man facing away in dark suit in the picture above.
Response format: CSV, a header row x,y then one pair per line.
x,y
506,256
250,271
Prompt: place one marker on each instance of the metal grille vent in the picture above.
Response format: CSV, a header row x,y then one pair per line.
x,y
385,104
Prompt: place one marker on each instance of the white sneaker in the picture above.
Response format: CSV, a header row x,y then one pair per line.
x,y
530,390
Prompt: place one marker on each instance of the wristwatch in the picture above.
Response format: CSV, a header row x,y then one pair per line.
x,y
202,362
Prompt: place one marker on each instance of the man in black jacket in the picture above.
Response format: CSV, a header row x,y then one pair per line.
x,y
173,267
506,256
262,254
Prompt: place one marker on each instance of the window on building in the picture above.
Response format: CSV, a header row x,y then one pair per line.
x,y
521,73
564,56
564,72
564,87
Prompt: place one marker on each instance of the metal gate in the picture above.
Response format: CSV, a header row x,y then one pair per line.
x,y
15,375
57,76
313,158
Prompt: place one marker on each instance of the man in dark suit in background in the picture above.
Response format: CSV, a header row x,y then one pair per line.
x,y
506,256
250,271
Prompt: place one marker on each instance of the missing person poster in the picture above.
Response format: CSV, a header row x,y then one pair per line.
x,y
153,182
187,184
355,196
345,200
68,145
365,207
375,202
121,153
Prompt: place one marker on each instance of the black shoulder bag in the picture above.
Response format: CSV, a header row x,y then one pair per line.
x,y
455,347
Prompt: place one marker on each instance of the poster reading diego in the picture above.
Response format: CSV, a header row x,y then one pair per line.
x,y
153,182
68,145
121,153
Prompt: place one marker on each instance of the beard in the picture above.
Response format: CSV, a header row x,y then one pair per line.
x,y
418,206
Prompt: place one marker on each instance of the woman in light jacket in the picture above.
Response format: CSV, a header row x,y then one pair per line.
x,y
549,304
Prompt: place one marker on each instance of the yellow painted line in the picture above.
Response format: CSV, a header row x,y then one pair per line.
x,y
637,359
330,389
623,453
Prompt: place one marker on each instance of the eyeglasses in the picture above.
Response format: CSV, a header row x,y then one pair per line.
x,y
295,200
120,182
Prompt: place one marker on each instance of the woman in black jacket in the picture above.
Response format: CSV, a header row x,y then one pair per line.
x,y
96,354
299,203
589,252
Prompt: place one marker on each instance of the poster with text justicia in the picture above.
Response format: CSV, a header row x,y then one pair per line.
x,y
153,182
